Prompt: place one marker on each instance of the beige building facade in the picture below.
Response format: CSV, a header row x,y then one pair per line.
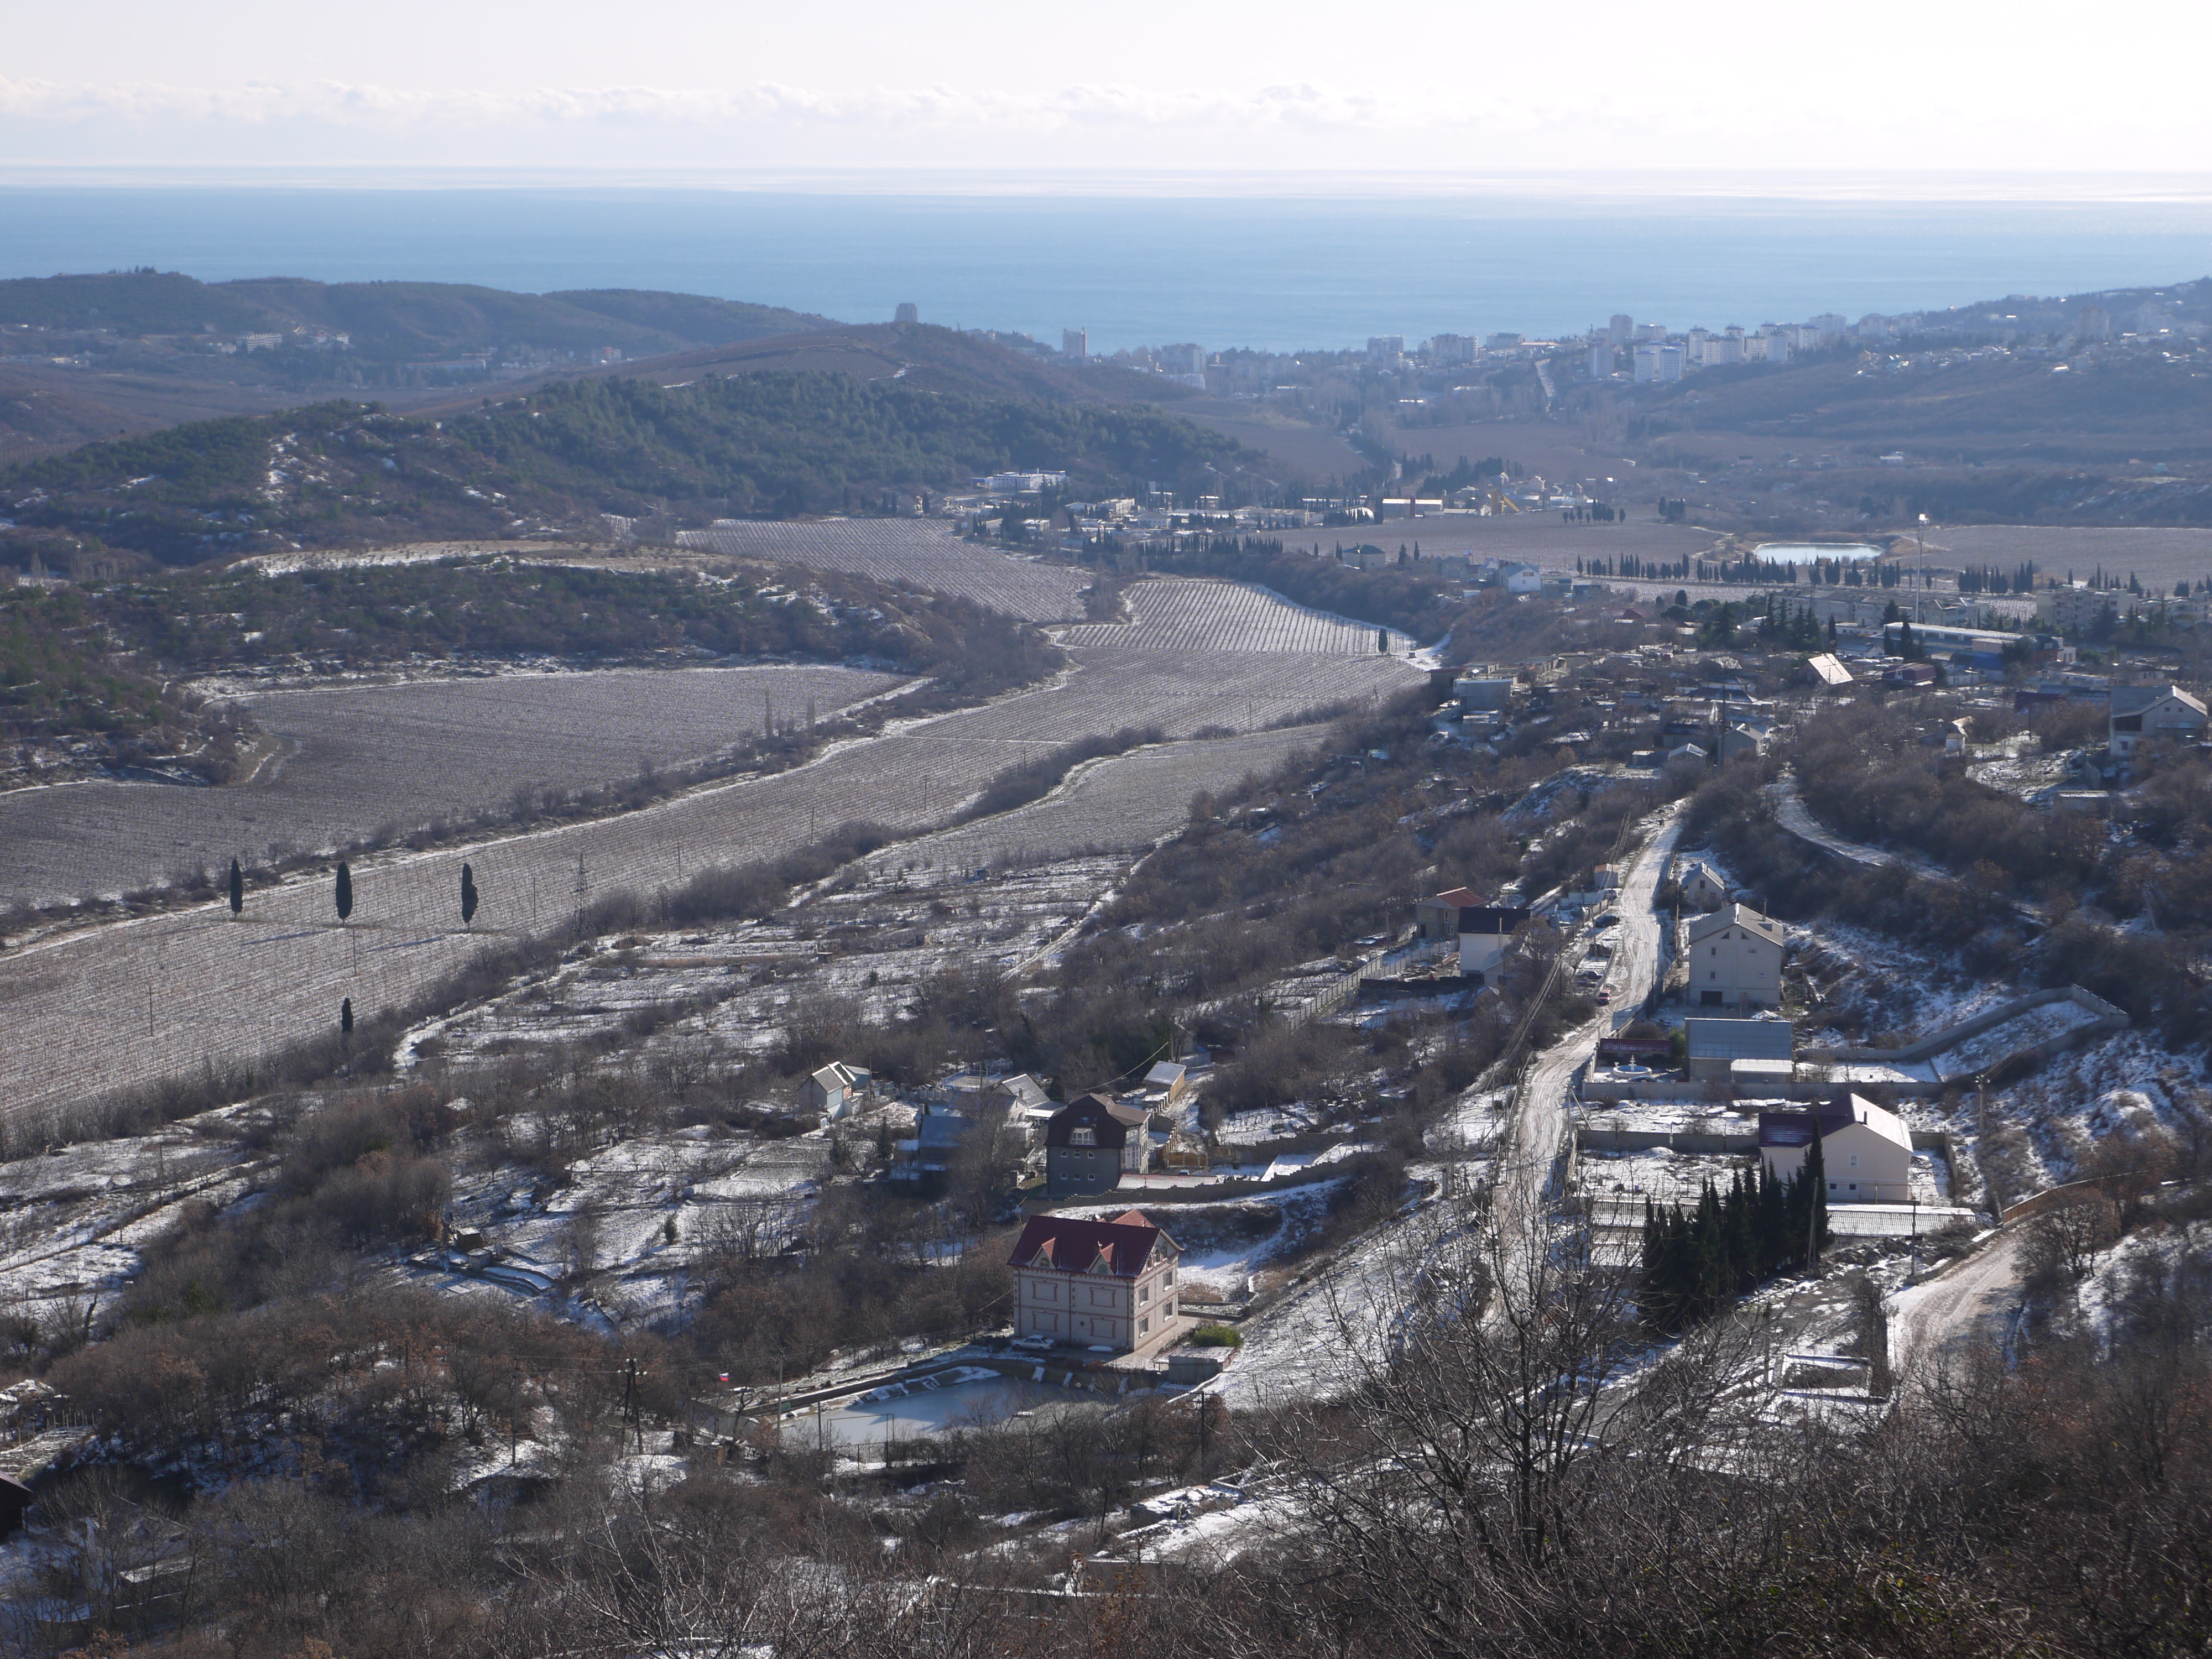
x,y
1734,959
1089,1283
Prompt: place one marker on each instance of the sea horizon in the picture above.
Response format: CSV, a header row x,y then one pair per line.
x,y
1540,255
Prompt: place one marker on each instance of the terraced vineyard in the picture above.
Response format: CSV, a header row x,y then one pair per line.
x,y
356,757
919,551
131,1003
1178,614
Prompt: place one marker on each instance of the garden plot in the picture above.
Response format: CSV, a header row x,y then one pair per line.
x,y
78,1220
718,996
356,758
2025,775
123,1005
1171,614
1225,1243
601,1229
913,550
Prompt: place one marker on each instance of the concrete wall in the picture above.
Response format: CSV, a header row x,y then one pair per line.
x,y
2104,1017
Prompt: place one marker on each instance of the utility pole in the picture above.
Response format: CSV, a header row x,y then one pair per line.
x,y
1920,534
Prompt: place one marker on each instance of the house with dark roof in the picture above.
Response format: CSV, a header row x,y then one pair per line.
x,y
1088,1142
1485,933
1865,1148
1095,1284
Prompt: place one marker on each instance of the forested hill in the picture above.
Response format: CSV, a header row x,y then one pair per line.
x,y
389,321
561,456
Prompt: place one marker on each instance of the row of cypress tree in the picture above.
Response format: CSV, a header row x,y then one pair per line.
x,y
1696,1262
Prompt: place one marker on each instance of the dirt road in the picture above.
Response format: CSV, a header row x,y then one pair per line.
x,y
1972,1301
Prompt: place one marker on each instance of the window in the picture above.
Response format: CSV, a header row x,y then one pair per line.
x,y
1144,1294
1855,1160
1082,1137
1144,1326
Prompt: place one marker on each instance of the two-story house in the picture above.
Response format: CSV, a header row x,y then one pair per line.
x,y
1097,1284
2140,714
1734,956
1701,886
1088,1142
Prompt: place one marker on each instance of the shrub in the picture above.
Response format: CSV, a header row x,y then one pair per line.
x,y
1217,1336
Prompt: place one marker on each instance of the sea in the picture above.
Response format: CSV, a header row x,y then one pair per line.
x,y
1274,272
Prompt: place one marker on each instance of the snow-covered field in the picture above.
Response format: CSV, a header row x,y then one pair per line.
x,y
1177,614
356,758
122,1005
922,552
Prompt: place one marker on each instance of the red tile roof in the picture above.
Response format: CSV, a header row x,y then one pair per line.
x,y
1075,1246
1461,895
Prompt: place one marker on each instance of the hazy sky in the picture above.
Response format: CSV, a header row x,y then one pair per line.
x,y
1141,85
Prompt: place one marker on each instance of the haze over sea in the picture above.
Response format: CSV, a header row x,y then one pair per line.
x,y
1277,271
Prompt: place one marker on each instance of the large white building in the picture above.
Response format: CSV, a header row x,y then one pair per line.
x,y
1734,958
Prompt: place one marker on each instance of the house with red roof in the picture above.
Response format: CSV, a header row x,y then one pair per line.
x,y
1437,917
1095,1284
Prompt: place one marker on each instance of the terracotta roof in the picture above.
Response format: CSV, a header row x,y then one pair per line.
x,y
1120,1246
1458,895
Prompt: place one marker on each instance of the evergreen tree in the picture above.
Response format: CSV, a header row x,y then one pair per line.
x,y
346,892
345,1017
468,896
237,888
1383,641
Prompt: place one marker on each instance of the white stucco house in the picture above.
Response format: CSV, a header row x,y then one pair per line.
x,y
2141,713
1485,933
838,1089
1701,886
1866,1149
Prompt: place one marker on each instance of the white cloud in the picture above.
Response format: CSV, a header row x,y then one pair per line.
x,y
1616,122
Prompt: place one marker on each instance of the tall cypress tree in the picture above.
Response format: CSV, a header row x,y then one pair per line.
x,y
345,1017
468,896
346,892
1816,1180
237,888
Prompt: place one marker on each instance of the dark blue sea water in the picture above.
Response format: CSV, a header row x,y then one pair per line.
x,y
1277,273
